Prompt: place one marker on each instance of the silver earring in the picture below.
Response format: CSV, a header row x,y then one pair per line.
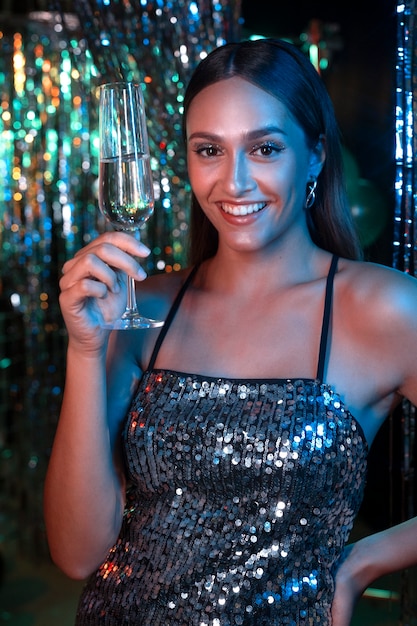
x,y
311,196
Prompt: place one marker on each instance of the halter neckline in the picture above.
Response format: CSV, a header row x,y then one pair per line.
x,y
324,328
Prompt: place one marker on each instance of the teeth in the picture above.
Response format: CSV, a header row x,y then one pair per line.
x,y
243,209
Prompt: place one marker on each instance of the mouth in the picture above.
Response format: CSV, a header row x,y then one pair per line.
x,y
242,209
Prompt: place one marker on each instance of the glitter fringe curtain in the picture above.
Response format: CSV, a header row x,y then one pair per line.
x,y
405,247
159,44
50,65
46,209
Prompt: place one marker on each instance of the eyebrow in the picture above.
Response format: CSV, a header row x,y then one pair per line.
x,y
251,135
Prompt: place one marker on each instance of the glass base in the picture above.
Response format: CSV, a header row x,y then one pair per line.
x,y
132,322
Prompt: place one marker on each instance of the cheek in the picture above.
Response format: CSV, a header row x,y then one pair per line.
x,y
192,169
201,178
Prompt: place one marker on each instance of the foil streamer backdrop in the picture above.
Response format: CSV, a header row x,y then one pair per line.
x,y
50,66
159,44
46,209
405,245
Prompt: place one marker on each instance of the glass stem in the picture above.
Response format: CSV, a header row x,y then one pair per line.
x,y
131,307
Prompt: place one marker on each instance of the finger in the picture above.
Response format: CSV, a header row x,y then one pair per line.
x,y
123,241
102,263
110,254
85,288
93,269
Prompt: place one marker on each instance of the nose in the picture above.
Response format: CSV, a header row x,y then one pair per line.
x,y
238,177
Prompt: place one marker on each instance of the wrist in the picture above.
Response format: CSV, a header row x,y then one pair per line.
x,y
84,351
359,566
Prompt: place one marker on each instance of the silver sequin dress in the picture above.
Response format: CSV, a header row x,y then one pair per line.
x,y
242,496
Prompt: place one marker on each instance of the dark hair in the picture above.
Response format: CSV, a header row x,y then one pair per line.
x,y
285,72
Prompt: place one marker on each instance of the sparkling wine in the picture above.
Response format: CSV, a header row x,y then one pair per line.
x,y
123,194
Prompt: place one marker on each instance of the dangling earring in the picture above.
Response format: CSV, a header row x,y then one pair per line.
x,y
311,196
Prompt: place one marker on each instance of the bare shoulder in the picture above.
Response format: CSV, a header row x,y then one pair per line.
x,y
381,292
157,292
375,325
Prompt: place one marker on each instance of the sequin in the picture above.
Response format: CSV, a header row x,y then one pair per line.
x,y
245,522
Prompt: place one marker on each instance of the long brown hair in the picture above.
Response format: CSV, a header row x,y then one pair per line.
x,y
285,72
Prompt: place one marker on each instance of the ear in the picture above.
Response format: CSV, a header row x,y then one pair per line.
x,y
317,157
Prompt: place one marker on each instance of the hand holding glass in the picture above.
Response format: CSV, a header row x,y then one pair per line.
x,y
125,194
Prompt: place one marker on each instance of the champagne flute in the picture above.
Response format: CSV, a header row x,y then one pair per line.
x,y
125,193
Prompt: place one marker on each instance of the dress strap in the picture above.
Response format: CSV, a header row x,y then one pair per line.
x,y
326,318
171,314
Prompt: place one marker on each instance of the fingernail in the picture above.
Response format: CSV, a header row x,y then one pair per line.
x,y
145,248
141,273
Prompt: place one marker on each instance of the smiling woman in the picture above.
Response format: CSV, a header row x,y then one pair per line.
x,y
295,93
209,473
250,169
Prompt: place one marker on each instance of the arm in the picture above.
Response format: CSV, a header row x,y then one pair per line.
x,y
368,559
393,549
84,488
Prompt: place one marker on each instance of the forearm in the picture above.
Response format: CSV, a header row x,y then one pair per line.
x,y
382,553
368,559
392,550
84,492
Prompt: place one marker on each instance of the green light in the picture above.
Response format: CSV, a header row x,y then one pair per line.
x,y
314,55
76,126
66,66
382,594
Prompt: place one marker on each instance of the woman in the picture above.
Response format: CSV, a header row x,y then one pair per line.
x,y
210,472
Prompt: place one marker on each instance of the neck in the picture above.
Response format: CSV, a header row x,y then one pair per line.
x,y
263,271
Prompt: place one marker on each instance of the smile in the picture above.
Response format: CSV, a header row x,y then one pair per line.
x,y
243,209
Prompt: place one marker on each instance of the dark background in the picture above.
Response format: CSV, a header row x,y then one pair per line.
x,y
360,37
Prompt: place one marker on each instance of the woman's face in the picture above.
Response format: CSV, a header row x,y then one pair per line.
x,y
249,164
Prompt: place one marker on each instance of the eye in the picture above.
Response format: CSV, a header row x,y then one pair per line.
x,y
267,149
207,150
